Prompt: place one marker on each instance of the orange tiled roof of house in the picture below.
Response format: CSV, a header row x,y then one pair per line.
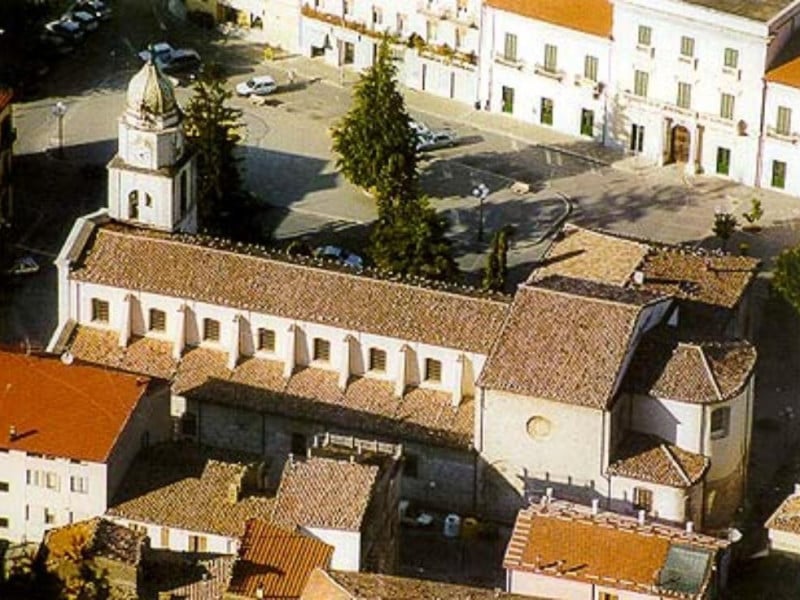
x,y
565,347
6,96
276,560
189,487
367,405
787,516
585,254
325,493
565,541
787,73
649,458
347,585
239,276
589,16
694,372
73,411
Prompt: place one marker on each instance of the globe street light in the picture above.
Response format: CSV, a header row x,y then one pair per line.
x,y
480,191
59,110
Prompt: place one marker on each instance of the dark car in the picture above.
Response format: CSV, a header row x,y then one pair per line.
x,y
87,21
66,28
183,64
97,9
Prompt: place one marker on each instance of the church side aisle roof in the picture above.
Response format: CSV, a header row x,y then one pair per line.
x,y
170,264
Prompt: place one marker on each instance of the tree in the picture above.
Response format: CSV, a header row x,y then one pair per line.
x,y
496,271
377,148
212,130
409,238
724,226
786,278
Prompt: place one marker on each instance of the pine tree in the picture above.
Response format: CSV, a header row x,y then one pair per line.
x,y
212,130
377,148
496,271
786,278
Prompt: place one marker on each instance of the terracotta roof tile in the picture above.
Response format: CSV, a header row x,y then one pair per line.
x,y
372,586
787,73
141,355
189,487
278,560
325,493
649,458
787,516
51,405
698,372
553,347
566,541
367,405
171,264
585,254
588,16
718,280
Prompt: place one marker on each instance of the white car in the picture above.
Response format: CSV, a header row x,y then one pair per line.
x,y
257,86
433,140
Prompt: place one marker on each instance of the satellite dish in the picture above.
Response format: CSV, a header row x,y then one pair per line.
x,y
67,358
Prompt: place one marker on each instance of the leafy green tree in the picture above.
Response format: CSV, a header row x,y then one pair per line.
x,y
409,238
786,278
213,131
724,226
377,148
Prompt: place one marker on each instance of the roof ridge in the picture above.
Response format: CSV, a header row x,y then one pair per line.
x,y
593,298
711,375
665,446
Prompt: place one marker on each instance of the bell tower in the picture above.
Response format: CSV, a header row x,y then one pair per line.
x,y
152,180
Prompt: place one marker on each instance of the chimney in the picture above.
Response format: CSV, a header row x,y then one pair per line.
x,y
308,452
549,493
595,506
638,277
689,526
233,493
797,489
642,515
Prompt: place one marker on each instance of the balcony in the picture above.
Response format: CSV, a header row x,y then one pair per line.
x,y
508,61
783,136
466,18
549,72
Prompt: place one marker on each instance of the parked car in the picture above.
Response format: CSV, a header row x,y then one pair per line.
x,y
347,258
23,266
183,63
435,140
159,50
87,21
419,127
96,8
66,28
262,85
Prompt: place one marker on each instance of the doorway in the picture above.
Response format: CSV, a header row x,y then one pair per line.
x,y
679,145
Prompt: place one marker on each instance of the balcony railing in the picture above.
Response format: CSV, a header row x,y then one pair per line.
x,y
508,61
550,72
786,136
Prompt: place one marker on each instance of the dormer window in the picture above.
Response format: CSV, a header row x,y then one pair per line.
x,y
377,360
433,370
210,330
266,340
322,350
158,320
99,311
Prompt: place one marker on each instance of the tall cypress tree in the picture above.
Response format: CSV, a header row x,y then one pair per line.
x,y
377,148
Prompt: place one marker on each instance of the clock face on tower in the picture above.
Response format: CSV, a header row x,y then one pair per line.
x,y
141,149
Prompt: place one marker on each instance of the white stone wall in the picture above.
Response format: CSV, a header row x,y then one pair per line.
x,y
728,453
24,504
669,503
569,91
779,147
784,541
177,539
346,546
544,586
679,423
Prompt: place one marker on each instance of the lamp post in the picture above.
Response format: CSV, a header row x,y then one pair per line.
x,y
480,191
59,110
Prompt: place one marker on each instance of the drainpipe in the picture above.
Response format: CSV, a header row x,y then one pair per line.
x,y
760,151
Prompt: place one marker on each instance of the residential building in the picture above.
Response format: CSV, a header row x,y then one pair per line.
x,y
275,562
341,585
558,550
115,552
783,526
436,42
7,137
689,83
70,431
548,62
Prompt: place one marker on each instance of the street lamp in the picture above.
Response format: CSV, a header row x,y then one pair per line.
x,y
59,110
480,191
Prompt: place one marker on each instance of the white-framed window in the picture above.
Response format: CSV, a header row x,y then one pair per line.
x,y
783,125
79,484
49,517
731,58
726,105
377,360
322,350
550,58
684,99
158,320
641,80
210,330
590,65
687,46
510,47
433,370
645,35
197,543
720,422
643,499
100,310
266,339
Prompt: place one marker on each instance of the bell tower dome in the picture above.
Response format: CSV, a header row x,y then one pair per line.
x,y
152,179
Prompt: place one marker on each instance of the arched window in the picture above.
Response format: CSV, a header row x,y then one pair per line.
x,y
133,205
